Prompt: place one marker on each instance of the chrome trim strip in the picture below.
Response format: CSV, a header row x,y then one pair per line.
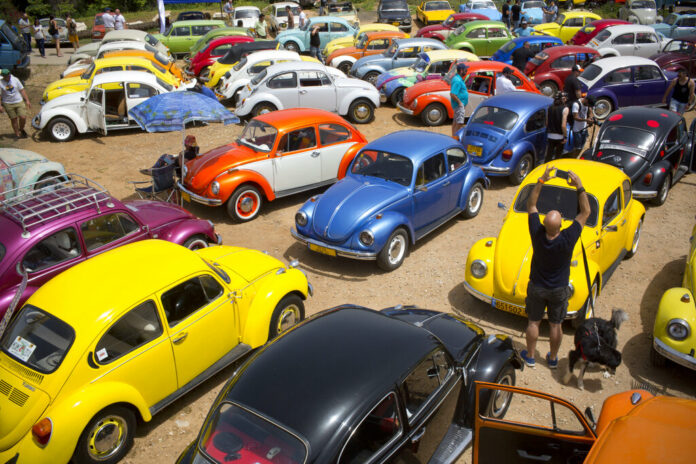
x,y
362,255
644,193
493,169
674,355
404,109
197,198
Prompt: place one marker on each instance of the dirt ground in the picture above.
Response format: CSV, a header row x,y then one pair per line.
x,y
431,276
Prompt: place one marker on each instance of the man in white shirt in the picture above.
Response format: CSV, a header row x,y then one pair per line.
x,y
14,101
503,84
119,20
25,28
228,9
109,22
582,117
303,18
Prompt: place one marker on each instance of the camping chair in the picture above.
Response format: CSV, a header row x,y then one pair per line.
x,y
161,184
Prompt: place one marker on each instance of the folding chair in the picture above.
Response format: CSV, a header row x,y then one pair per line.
x,y
161,186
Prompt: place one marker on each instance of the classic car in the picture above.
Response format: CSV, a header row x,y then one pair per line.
x,y
673,337
677,25
628,40
442,31
396,13
21,170
14,52
532,11
343,9
352,41
550,68
245,16
430,99
200,63
102,66
297,40
537,43
567,24
402,53
624,81
42,238
310,85
370,43
279,15
278,154
398,188
639,12
484,7
62,30
90,50
232,57
401,385
79,66
678,54
483,38
191,15
98,30
219,32
497,268
102,107
652,146
180,36
433,64
433,12
87,357
158,61
587,33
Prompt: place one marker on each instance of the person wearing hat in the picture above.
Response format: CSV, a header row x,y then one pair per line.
x,y
556,127
14,101
583,117
191,148
459,97
572,85
523,30
521,55
503,84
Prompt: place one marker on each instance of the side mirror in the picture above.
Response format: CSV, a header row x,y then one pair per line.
x,y
611,228
421,188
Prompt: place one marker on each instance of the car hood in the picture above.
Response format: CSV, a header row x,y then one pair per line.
x,y
157,213
630,163
69,99
15,156
645,15
342,52
395,73
430,29
202,170
289,33
546,27
370,59
423,87
665,59
348,203
348,82
492,13
246,263
490,140
74,82
393,14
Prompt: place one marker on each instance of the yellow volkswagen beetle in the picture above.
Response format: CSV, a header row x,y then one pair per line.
x,y
497,268
433,12
567,24
352,40
117,338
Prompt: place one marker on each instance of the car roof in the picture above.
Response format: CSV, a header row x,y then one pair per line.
x,y
296,66
655,120
336,19
125,76
198,22
350,357
411,41
127,34
537,38
447,54
576,13
121,59
262,55
246,7
385,34
615,62
686,38
415,145
596,177
291,118
566,49
483,22
522,103
623,28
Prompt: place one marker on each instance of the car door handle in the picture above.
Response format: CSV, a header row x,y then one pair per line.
x,y
418,435
302,92
180,338
541,457
623,222
446,184
315,154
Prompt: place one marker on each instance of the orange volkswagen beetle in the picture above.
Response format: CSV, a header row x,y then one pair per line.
x,y
430,99
370,43
278,154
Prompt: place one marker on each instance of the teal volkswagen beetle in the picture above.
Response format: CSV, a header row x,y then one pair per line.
x,y
330,28
483,38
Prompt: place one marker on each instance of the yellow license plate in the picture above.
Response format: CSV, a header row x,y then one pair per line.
x,y
510,308
186,197
321,249
474,150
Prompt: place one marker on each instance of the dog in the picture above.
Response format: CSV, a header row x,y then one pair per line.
x,y
595,342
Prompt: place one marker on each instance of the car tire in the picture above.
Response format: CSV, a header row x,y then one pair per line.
x,y
663,191
118,420
548,88
603,108
392,255
397,95
656,359
522,169
196,242
361,111
245,203
500,399
263,108
371,77
61,129
288,312
474,201
636,239
435,114
345,66
292,46
581,316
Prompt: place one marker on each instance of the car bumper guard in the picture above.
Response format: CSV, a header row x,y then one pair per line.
x,y
673,355
404,109
345,252
198,198
644,193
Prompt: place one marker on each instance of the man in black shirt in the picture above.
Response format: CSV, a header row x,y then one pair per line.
x,y
550,268
572,85
315,44
506,13
521,55
516,9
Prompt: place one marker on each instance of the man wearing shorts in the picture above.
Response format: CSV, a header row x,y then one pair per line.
x,y
549,274
14,97
459,97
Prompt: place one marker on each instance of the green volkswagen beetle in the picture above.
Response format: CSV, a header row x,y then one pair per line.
x,y
481,37
219,32
182,35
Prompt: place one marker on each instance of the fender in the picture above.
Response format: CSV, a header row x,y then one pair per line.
x,y
356,94
486,254
253,100
74,116
348,158
671,306
236,86
606,94
427,99
230,181
541,78
475,174
383,227
37,170
389,79
9,293
606,52
342,59
300,43
178,233
636,216
369,68
434,35
466,46
520,149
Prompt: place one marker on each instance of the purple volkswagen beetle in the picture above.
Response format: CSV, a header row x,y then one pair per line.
x,y
49,229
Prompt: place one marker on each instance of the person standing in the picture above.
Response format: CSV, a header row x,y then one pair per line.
x,y
549,273
54,32
683,92
506,13
459,97
260,27
515,13
25,29
523,30
228,9
72,32
550,12
302,19
521,55
39,37
119,20
109,22
291,17
503,83
322,7
315,43
582,117
556,127
15,102
572,85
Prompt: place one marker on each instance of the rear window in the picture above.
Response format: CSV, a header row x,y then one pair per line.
x,y
630,139
539,58
152,40
591,72
562,199
603,35
37,339
508,47
496,117
98,21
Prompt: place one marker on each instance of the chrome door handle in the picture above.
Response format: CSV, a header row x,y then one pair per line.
x,y
315,154
180,338
302,92
446,184
418,435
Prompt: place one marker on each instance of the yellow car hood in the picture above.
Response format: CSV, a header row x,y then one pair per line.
x,y
248,264
21,405
67,85
548,28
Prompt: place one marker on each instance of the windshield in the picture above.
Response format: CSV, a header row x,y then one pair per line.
x,y
642,4
240,64
680,46
259,77
533,4
481,5
496,117
37,339
98,21
560,19
242,14
13,38
624,138
508,47
383,165
539,58
420,65
591,72
362,41
259,136
432,6
562,199
234,431
393,5
88,72
152,40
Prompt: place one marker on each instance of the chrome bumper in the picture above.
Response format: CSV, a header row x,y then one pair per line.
x,y
404,109
35,122
218,239
382,98
495,169
674,355
198,198
346,253
644,193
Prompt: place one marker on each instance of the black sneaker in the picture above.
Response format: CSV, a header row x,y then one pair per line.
x,y
24,134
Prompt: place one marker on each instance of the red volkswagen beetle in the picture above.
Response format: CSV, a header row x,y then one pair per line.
x,y
442,31
201,62
549,68
587,33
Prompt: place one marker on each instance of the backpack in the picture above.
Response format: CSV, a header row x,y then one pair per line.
x,y
52,29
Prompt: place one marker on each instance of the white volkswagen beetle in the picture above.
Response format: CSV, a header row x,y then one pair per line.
x,y
628,40
308,85
91,49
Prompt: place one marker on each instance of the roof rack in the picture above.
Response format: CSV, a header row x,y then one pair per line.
x,y
51,198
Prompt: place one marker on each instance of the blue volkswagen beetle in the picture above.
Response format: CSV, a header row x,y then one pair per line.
x,y
398,188
537,43
484,7
532,11
330,28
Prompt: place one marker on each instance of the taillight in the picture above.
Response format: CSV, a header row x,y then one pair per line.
x,y
662,153
648,178
42,431
507,154
599,154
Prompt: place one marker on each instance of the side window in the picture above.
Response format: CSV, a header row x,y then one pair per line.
x,y
573,22
139,326
108,69
54,249
333,133
181,31
221,50
424,381
313,79
672,138
626,192
258,67
201,30
647,73
432,169
536,121
95,96
338,27
103,230
323,27
618,76
410,52
564,62
378,44
516,81
646,38
623,39
133,67
440,67
301,139
140,91
456,158
479,83
496,32
283,81
611,208
478,33
186,298
377,429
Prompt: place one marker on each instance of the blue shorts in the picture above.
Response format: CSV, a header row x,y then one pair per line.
x,y
677,107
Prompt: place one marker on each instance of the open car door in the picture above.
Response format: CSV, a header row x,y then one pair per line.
x,y
95,110
480,87
536,428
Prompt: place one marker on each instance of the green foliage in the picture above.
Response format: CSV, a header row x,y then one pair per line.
x,y
39,8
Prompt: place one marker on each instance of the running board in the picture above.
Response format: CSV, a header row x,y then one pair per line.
x,y
454,443
609,272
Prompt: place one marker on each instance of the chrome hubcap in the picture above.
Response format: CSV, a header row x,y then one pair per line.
x,y
288,318
501,398
361,111
602,109
107,437
61,130
475,199
547,90
434,114
264,110
524,167
397,247
246,204
198,244
636,237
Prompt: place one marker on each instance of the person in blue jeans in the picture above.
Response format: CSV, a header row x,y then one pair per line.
x,y
549,273
315,44
459,97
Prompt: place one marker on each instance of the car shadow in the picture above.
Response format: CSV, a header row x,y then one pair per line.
x,y
406,120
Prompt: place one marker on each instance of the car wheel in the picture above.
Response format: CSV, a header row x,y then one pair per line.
x,y
662,193
288,312
196,242
292,46
263,108
434,114
525,165
107,438
474,202
586,311
345,66
245,203
61,129
548,88
371,77
397,95
500,399
361,111
603,107
656,359
636,239
394,251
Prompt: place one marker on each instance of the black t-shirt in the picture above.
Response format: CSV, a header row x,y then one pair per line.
x,y
314,40
506,10
520,57
516,12
550,266
571,85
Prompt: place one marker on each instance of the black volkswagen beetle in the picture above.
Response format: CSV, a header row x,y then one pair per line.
x,y
353,385
651,145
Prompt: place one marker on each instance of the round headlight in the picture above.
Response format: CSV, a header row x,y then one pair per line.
x,y
678,329
301,219
479,269
572,290
215,187
366,238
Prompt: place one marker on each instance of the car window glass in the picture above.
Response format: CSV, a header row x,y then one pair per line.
x,y
108,69
611,208
220,50
54,249
283,81
138,327
140,90
672,137
410,52
647,73
378,44
564,62
258,67
423,382
516,81
623,39
211,287
377,429
102,230
339,27
618,76
323,27
536,121
573,22
95,96
181,31
561,199
477,33
456,158
479,83
301,139
626,192
440,67
670,19
332,133
184,299
133,67
313,79
494,32
431,170
646,38
202,30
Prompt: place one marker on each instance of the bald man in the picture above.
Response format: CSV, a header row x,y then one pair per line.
x,y
550,269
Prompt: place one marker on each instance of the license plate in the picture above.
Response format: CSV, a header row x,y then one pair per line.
x,y
186,197
510,308
474,150
321,249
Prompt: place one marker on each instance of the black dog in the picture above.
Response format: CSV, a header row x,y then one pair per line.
x,y
595,342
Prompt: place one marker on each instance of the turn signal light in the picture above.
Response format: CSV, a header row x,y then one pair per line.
x,y
42,431
685,298
648,178
507,154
